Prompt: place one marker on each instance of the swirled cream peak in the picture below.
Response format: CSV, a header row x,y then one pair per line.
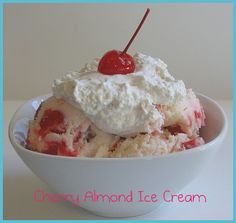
x,y
122,104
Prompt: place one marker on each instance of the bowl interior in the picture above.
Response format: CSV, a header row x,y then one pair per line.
x,y
216,122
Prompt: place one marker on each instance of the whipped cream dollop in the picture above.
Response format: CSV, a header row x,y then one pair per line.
x,y
122,104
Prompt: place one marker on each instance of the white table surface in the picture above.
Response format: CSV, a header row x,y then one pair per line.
x,y
216,182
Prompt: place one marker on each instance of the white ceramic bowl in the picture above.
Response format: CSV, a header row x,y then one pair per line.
x,y
107,176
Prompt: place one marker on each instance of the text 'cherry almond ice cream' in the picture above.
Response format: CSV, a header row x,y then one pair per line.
x,y
143,113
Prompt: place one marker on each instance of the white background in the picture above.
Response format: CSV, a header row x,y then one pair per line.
x,y
43,41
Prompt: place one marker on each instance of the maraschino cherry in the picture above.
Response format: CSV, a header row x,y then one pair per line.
x,y
120,62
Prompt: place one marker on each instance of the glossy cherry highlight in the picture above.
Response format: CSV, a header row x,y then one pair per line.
x,y
113,62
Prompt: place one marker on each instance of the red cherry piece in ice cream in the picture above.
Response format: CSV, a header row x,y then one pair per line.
x,y
197,114
51,119
52,148
114,62
59,129
77,137
189,144
59,148
174,130
63,151
117,62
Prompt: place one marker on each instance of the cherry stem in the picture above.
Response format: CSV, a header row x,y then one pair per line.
x,y
136,31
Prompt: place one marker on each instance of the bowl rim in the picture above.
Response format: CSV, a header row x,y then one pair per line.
x,y
201,148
